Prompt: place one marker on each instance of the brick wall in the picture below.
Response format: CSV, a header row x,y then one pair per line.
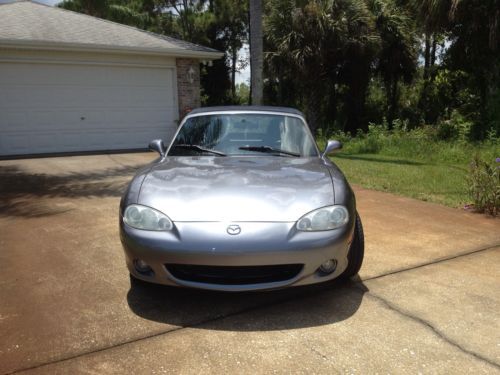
x,y
188,92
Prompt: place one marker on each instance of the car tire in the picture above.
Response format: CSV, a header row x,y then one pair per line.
x,y
356,251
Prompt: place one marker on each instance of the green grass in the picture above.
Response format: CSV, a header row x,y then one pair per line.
x,y
433,182
412,163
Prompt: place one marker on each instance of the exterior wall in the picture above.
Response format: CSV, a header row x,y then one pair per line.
x,y
188,85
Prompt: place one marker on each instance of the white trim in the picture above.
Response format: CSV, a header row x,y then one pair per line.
x,y
65,46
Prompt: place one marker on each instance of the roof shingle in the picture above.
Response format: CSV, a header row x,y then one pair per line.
x,y
29,23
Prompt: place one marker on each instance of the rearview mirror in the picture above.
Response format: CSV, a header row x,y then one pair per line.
x,y
331,146
158,146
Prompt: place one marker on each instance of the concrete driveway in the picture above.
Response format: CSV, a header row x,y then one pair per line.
x,y
427,301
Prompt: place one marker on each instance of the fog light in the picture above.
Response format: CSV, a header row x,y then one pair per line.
x,y
328,267
142,267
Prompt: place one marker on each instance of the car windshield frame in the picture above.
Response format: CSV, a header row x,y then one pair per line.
x,y
317,153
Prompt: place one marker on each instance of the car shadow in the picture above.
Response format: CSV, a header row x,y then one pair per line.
x,y
291,308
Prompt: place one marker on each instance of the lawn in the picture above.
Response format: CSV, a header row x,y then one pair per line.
x,y
412,163
435,182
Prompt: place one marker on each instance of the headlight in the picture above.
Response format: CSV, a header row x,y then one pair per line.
x,y
146,218
325,218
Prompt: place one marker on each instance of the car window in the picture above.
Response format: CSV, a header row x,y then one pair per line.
x,y
229,133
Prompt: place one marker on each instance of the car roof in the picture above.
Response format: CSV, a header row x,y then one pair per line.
x,y
246,108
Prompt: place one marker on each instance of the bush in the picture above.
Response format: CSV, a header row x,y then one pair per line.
x,y
456,128
423,143
484,185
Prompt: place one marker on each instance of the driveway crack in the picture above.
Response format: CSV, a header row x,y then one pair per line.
x,y
435,261
429,326
357,284
316,351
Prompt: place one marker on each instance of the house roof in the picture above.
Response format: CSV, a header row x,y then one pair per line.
x,y
32,25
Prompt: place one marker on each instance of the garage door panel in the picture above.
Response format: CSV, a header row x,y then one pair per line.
x,y
22,74
82,118
64,108
12,120
33,119
95,96
124,139
43,141
17,143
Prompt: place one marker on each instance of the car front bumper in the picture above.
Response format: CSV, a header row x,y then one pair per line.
x,y
258,244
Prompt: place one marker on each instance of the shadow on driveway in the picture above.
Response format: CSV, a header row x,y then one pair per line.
x,y
297,307
22,193
378,160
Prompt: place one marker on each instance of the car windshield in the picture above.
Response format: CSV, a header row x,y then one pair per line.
x,y
244,134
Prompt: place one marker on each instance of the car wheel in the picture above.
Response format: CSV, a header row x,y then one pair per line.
x,y
356,251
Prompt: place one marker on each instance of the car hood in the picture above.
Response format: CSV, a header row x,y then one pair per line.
x,y
237,188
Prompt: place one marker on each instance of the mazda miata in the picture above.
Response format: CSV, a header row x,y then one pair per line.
x,y
242,199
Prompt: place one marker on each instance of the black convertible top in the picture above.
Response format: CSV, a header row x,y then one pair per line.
x,y
249,108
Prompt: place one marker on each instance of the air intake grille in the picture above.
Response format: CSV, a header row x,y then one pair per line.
x,y
234,275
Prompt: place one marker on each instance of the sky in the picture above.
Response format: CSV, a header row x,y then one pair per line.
x,y
244,75
241,77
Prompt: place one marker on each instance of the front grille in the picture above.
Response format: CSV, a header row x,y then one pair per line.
x,y
234,275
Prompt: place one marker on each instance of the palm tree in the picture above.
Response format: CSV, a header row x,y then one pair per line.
x,y
472,28
125,12
256,54
316,42
397,58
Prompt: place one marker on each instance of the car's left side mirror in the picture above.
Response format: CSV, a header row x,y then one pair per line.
x,y
331,146
158,146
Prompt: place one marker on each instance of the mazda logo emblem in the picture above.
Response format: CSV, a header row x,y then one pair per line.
x,y
233,229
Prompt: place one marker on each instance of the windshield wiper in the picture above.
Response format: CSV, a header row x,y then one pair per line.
x,y
199,148
268,149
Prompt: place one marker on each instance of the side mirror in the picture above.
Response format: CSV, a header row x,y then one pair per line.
x,y
158,146
331,146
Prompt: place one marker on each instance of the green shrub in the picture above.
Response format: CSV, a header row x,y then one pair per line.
x,y
456,128
422,143
484,185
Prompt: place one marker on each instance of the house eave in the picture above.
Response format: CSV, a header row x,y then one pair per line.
x,y
101,48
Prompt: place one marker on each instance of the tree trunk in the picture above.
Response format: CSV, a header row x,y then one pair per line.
x,y
256,54
433,51
234,60
313,107
393,100
427,55
331,110
358,80
493,40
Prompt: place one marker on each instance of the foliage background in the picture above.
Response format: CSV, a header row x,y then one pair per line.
x,y
346,63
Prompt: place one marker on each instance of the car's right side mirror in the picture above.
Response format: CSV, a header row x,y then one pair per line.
x,y
158,146
332,145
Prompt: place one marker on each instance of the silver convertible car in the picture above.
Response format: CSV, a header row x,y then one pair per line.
x,y
242,199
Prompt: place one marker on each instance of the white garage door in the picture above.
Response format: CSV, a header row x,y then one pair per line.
x,y
46,108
